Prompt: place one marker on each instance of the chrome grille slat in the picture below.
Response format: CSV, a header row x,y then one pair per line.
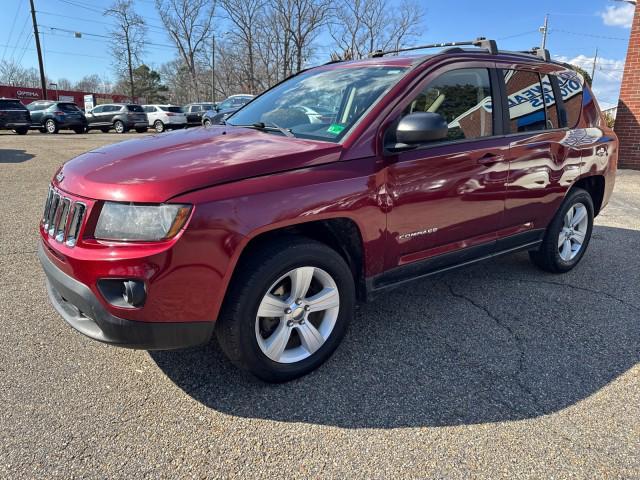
x,y
63,217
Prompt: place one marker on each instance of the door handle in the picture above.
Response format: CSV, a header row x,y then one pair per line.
x,y
489,159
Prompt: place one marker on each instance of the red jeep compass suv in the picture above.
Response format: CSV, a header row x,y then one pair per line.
x,y
335,185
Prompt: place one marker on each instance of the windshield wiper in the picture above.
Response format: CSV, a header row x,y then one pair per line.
x,y
272,126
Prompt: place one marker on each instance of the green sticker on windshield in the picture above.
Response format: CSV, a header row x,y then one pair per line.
x,y
335,128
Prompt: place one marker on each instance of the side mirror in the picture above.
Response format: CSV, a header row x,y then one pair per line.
x,y
421,127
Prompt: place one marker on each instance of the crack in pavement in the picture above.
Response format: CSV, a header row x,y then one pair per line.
x,y
584,289
517,340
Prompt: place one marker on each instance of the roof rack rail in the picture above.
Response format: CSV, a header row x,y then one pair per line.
x,y
481,42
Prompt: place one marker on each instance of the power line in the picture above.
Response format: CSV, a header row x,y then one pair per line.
x,y
591,35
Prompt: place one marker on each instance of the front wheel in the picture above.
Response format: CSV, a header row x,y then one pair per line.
x,y
79,130
119,127
51,126
22,130
568,234
207,123
287,309
158,126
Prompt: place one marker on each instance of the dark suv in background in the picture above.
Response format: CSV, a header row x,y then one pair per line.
x,y
195,111
122,117
224,109
266,230
14,116
50,116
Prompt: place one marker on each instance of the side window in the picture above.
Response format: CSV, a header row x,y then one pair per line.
x,y
195,108
463,98
572,90
98,110
553,119
526,101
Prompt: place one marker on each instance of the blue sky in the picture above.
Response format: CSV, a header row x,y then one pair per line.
x,y
577,28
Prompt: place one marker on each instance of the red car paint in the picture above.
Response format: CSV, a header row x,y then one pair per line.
x,y
244,183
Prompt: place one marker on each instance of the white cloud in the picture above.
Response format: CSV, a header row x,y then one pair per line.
x,y
618,15
608,77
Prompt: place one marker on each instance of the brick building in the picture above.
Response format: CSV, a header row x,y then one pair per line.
x,y
628,117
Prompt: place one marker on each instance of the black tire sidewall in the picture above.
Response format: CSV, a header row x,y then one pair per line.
x,y
577,196
312,254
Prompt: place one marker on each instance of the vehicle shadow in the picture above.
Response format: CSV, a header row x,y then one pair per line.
x,y
495,342
14,156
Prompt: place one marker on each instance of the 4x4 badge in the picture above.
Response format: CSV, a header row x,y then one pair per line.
x,y
60,176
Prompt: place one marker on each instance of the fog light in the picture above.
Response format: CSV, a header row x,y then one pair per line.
x,y
123,292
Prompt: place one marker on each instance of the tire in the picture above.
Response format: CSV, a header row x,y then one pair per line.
x,y
105,129
51,127
158,126
119,127
270,270
207,123
561,249
42,130
79,130
141,130
22,131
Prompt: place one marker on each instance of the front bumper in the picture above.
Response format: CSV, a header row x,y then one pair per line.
x,y
77,304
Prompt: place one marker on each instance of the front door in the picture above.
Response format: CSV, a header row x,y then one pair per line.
x,y
447,198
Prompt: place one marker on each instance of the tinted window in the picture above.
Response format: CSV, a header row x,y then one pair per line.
x,y
36,107
225,105
550,103
526,102
11,104
572,89
463,98
195,108
207,107
172,109
98,109
68,107
135,108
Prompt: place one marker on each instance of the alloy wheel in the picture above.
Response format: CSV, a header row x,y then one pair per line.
x,y
297,315
119,127
51,126
573,232
159,126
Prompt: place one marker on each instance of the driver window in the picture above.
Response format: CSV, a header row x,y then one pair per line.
x,y
463,98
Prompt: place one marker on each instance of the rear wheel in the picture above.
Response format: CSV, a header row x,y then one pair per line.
x,y
22,130
105,129
79,130
568,234
287,309
207,122
51,126
158,126
119,127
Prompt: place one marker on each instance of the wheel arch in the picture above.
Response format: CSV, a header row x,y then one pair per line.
x,y
341,234
595,186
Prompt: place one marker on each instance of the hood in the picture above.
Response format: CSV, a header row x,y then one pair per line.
x,y
155,169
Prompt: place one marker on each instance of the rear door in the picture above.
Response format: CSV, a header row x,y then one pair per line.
x,y
542,165
446,199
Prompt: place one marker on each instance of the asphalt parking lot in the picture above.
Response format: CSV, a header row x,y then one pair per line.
x,y
495,371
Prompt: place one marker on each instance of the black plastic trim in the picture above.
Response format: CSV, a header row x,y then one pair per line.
x,y
529,240
80,308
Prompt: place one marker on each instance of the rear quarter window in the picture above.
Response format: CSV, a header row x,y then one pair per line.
x,y
172,109
572,90
68,107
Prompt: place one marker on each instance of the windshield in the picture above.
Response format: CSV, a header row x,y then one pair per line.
x,y
11,104
319,104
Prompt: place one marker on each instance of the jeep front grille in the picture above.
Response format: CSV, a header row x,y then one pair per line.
x,y
63,217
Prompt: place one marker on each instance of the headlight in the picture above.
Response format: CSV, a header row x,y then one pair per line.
x,y
128,221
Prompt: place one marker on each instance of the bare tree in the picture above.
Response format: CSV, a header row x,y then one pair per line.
x,y
360,27
64,84
129,38
189,24
247,16
89,83
301,20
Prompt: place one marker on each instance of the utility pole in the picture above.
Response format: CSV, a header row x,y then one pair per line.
x,y
595,62
213,68
544,30
43,82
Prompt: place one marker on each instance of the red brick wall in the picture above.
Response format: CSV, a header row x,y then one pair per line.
x,y
628,117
